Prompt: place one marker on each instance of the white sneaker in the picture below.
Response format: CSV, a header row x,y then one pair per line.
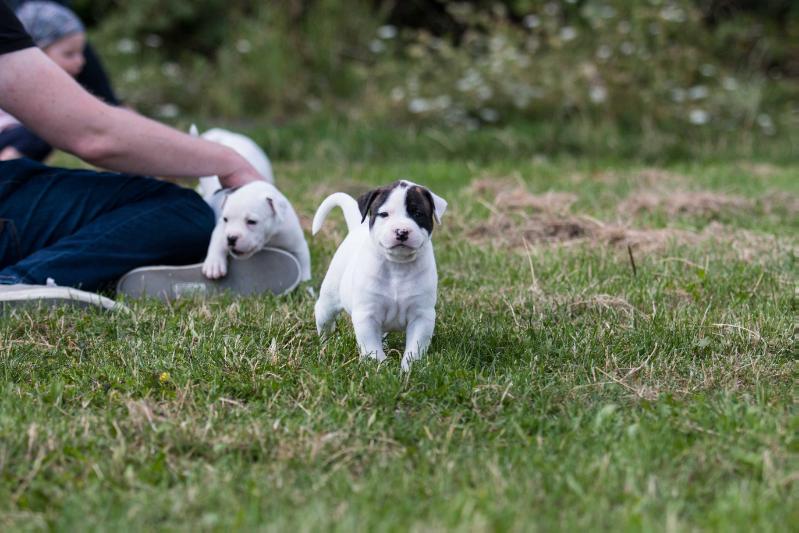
x,y
271,271
52,296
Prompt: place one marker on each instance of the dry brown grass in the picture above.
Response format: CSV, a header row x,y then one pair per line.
x,y
675,203
513,231
520,218
646,177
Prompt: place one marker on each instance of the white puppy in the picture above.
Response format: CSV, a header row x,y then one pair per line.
x,y
243,145
384,272
253,216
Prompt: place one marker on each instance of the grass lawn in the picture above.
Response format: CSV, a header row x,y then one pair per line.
x,y
568,385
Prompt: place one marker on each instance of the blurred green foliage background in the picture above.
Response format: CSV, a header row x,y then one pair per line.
x,y
652,75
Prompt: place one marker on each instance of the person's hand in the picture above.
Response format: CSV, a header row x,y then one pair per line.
x,y
8,153
241,176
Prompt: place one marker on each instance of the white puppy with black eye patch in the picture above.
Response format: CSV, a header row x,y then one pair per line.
x,y
384,272
253,216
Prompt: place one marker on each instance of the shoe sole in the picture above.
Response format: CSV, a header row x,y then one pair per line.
x,y
269,271
59,297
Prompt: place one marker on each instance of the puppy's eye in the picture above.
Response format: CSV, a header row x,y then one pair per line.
x,y
383,215
224,219
252,222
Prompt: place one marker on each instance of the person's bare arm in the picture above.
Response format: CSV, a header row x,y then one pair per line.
x,y
48,101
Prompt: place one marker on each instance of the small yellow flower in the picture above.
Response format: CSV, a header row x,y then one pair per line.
x,y
164,377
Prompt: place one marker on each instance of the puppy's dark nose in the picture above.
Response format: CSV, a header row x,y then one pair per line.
x,y
402,235
231,241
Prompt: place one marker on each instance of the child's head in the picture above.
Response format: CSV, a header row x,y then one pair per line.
x,y
57,31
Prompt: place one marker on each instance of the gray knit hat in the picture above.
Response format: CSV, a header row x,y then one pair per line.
x,y
47,22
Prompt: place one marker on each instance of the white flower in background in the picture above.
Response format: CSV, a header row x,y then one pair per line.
x,y
497,43
766,124
377,46
607,12
387,32
153,40
471,124
707,70
598,94
531,21
604,52
168,111
131,75
567,33
523,94
551,8
397,94
624,27
443,102
243,46
697,92
314,104
698,117
484,93
678,95
489,115
672,13
729,83
127,46
170,70
418,105
627,48
470,81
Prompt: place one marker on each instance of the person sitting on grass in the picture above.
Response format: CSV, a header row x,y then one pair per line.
x,y
61,36
82,228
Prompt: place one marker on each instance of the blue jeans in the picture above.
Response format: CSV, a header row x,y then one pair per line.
x,y
86,229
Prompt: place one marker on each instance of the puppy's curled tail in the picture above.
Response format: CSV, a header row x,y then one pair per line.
x,y
347,204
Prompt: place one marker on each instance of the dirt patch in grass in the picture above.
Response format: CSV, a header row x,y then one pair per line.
x,y
707,204
520,218
761,170
780,201
512,194
646,177
696,203
512,231
504,230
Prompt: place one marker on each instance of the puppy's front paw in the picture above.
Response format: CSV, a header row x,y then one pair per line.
x,y
407,361
215,267
377,355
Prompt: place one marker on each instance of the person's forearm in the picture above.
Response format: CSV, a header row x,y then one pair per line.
x,y
53,105
119,139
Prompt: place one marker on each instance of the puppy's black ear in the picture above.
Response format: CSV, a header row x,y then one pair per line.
x,y
429,197
365,202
